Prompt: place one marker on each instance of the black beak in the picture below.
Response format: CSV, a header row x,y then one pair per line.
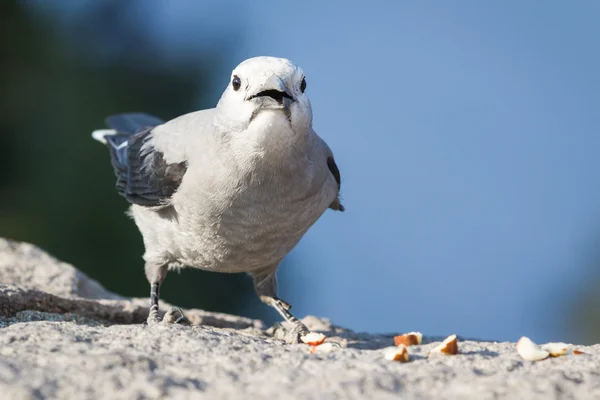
x,y
274,94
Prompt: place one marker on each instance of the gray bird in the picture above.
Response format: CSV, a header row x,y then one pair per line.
x,y
231,188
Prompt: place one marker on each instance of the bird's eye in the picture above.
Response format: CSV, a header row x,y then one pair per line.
x,y
236,82
303,85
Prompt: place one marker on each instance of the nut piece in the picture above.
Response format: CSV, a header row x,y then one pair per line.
x,y
398,354
530,351
555,349
448,347
578,352
313,338
409,339
322,348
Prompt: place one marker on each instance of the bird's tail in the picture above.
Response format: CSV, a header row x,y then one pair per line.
x,y
124,125
102,134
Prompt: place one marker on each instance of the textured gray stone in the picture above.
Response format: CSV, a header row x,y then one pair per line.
x,y
64,336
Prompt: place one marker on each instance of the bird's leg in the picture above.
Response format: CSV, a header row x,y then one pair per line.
x,y
265,285
156,273
153,316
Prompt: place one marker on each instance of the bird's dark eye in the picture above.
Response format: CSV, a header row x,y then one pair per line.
x,y
236,82
303,85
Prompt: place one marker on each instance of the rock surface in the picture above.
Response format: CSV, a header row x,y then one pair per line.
x,y
62,335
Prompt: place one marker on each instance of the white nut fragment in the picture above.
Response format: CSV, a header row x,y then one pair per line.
x,y
399,354
530,351
448,347
556,349
409,339
313,338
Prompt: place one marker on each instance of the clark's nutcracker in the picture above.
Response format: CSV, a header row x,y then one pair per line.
x,y
231,188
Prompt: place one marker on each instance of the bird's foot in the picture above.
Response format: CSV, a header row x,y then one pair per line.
x,y
173,316
153,319
290,332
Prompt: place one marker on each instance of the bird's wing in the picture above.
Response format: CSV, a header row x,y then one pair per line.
x,y
333,168
144,176
335,171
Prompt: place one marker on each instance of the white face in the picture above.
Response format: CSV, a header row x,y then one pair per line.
x,y
266,83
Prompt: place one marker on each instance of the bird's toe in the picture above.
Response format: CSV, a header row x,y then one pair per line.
x,y
175,316
153,319
290,333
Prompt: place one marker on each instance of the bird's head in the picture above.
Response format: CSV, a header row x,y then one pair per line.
x,y
266,83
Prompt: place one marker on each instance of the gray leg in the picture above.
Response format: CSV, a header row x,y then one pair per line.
x,y
153,315
265,285
156,274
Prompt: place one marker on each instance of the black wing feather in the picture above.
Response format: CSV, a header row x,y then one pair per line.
x,y
334,170
143,176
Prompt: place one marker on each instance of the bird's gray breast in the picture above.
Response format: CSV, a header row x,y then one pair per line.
x,y
254,222
259,230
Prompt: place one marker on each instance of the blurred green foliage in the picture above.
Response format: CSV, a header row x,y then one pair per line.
x,y
58,83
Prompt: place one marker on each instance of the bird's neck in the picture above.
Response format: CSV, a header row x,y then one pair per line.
x,y
270,140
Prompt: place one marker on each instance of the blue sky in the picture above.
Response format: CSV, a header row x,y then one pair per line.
x,y
467,138
466,134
